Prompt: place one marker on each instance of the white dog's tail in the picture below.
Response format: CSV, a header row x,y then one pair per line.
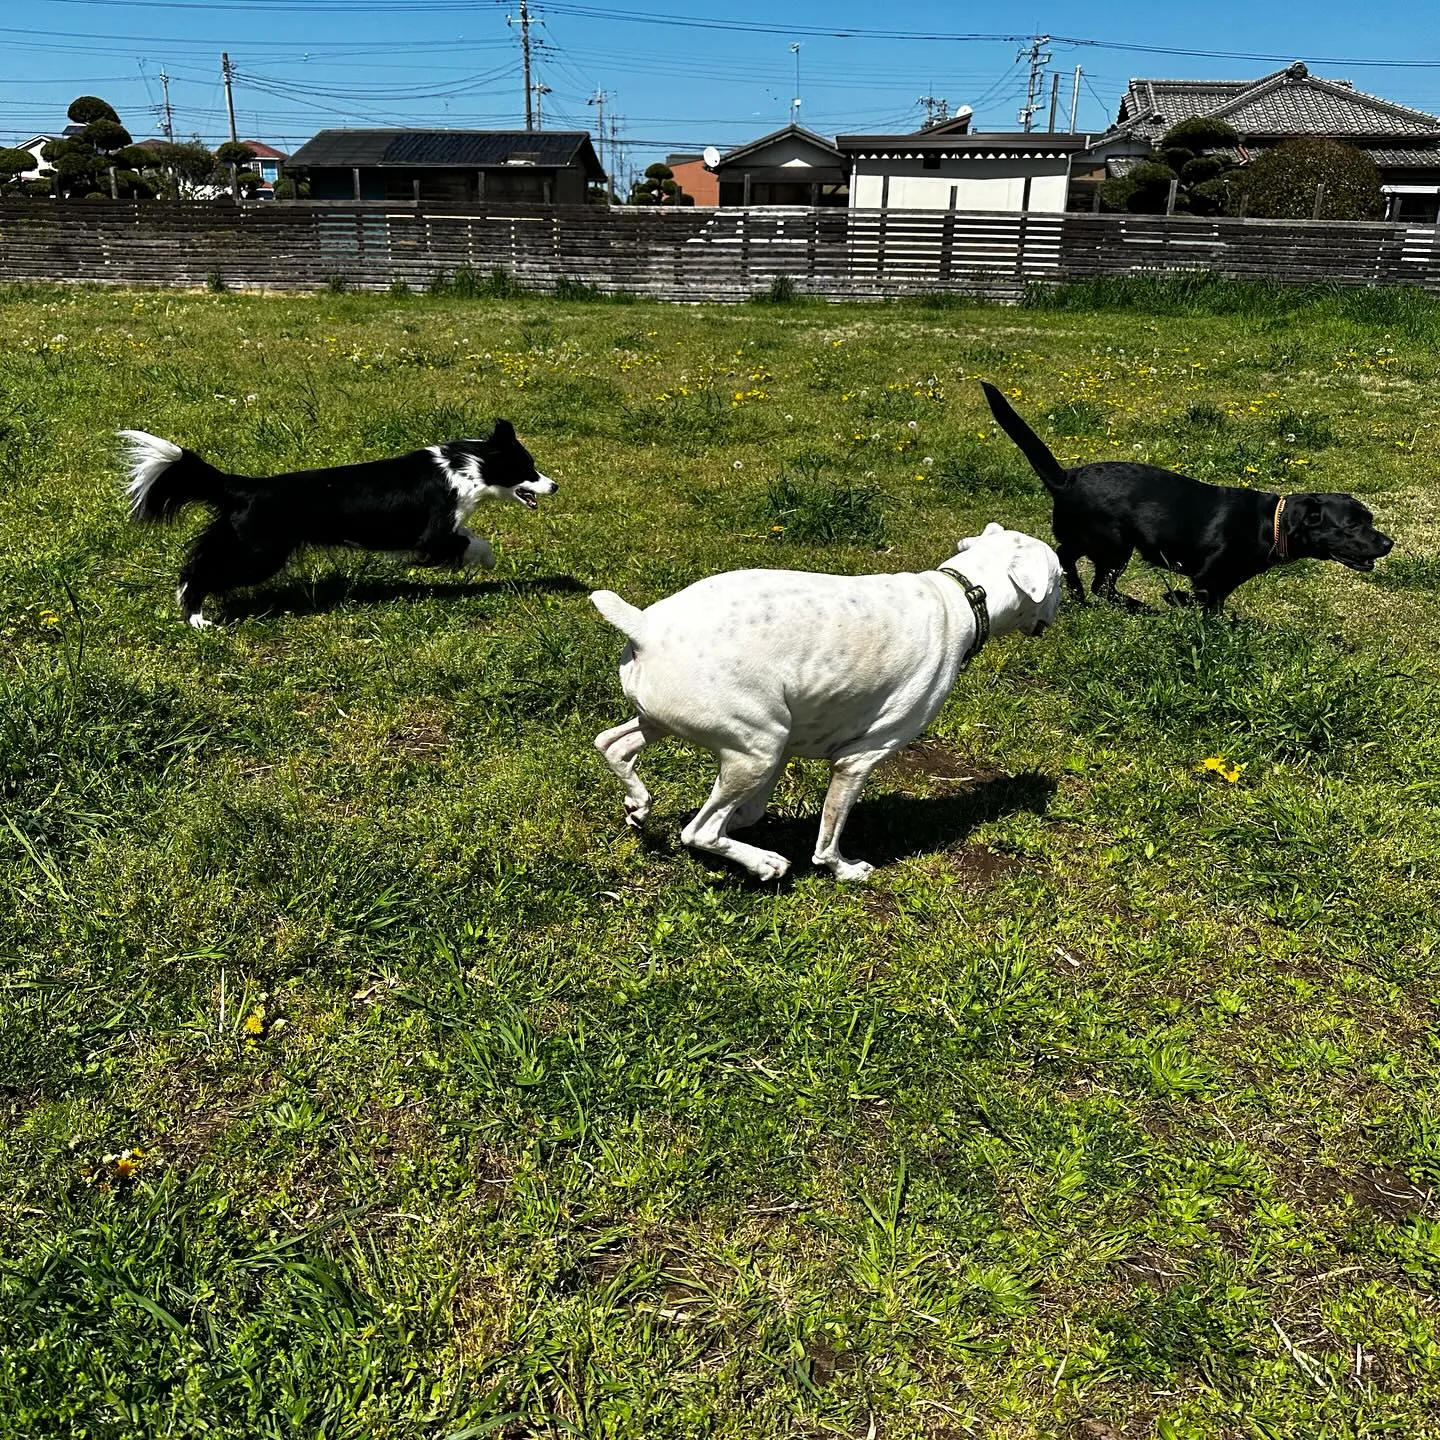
x,y
620,613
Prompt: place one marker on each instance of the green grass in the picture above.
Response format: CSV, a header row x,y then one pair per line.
x,y
1110,1107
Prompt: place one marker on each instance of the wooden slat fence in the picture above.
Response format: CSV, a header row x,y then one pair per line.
x,y
682,254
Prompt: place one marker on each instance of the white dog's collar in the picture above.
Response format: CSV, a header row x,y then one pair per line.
x,y
975,594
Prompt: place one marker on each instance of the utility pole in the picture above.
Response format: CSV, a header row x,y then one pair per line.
x,y
541,90
795,102
524,23
937,109
1054,100
167,118
1075,101
227,70
598,100
1039,58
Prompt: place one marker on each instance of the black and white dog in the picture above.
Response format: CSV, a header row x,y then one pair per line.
x,y
1219,535
414,505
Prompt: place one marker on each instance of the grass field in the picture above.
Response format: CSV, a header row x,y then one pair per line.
x,y
363,1076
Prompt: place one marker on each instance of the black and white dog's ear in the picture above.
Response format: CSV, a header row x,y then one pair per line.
x,y
504,432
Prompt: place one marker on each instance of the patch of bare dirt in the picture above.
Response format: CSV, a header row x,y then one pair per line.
x,y
1096,1430
1151,1267
979,864
935,763
418,736
1387,1191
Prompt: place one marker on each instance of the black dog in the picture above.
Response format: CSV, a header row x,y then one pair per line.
x,y
1218,535
416,503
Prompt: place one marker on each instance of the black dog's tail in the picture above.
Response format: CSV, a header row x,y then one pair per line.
x,y
164,478
1034,449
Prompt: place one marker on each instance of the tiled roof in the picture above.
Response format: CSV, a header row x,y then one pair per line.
x,y
1288,102
1420,156
453,148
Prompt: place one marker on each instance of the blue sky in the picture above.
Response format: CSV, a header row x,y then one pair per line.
x,y
302,65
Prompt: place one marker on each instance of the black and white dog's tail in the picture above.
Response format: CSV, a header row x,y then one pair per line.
x,y
1034,449
164,478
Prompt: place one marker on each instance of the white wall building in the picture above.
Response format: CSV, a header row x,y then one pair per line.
x,y
960,172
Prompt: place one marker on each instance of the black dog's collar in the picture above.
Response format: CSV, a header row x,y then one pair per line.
x,y
975,594
1281,545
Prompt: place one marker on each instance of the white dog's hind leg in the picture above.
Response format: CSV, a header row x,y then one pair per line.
x,y
754,808
848,775
743,779
618,748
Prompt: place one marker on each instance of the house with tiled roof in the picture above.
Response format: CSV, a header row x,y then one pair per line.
x,y
1403,142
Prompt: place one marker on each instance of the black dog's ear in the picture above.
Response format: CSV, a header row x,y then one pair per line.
x,y
504,432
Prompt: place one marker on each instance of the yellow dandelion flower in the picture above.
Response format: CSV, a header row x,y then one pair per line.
x,y
254,1023
126,1166
1220,766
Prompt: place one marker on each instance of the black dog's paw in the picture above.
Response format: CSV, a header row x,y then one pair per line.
x,y
1179,597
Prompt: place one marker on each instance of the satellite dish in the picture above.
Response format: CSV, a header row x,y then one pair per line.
x,y
711,156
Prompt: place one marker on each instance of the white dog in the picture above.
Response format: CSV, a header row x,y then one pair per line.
x,y
759,665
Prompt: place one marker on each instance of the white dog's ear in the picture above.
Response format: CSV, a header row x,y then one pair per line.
x,y
993,528
961,546
1032,576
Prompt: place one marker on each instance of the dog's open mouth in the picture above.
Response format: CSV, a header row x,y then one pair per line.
x,y
528,499
1368,563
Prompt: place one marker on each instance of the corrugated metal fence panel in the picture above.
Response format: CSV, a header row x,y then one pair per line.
x,y
684,254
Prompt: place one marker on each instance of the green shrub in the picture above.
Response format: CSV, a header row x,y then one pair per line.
x,y
1281,183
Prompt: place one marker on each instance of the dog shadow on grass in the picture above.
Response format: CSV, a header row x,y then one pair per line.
x,y
888,828
333,592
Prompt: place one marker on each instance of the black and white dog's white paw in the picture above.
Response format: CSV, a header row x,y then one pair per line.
x,y
478,555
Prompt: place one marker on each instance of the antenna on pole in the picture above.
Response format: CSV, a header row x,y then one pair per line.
x,y
1039,57
598,100
795,103
541,90
937,109
524,23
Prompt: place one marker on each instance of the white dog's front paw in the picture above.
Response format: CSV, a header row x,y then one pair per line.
x,y
478,553
852,871
769,866
198,622
635,812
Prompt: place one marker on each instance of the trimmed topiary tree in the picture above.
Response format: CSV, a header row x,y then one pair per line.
x,y
13,164
658,186
1195,154
83,162
87,109
1281,183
